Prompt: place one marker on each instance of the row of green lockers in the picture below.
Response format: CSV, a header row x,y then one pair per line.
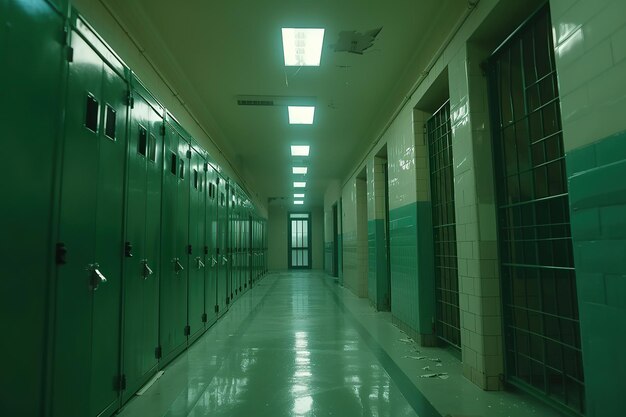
x,y
122,241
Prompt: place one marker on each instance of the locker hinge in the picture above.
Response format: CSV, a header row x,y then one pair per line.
x,y
162,130
70,54
217,308
189,249
158,352
206,250
204,318
61,253
130,100
188,154
121,383
128,250
187,330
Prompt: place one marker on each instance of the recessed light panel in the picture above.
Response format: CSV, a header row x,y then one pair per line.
x,y
300,170
298,196
302,47
298,202
301,115
297,150
299,184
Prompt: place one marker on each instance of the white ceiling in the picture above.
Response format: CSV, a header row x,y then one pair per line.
x,y
214,51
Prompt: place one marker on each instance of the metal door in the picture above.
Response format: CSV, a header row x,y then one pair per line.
x,y
173,280
210,272
540,308
142,243
32,97
221,251
299,241
439,134
195,294
87,334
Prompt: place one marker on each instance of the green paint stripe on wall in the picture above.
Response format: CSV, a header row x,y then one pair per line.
x,y
412,265
597,193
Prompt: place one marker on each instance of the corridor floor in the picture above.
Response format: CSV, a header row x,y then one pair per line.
x,y
298,344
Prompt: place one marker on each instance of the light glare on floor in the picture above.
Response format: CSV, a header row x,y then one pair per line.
x,y
298,202
299,184
301,115
300,150
300,170
302,47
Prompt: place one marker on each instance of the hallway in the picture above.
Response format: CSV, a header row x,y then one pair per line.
x,y
299,345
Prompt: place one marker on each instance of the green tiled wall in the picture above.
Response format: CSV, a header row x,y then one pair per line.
x,y
597,188
412,269
377,289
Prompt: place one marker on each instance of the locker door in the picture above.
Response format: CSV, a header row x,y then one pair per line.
x,y
195,294
141,270
109,245
30,103
230,239
210,287
173,282
222,230
77,277
91,217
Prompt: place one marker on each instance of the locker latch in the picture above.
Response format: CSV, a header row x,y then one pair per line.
x,y
146,271
204,318
199,262
206,250
177,265
189,249
61,253
217,308
95,276
128,250
187,330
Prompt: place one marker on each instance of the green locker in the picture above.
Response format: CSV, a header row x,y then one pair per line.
x,y
195,294
173,280
30,104
223,289
89,273
142,242
210,271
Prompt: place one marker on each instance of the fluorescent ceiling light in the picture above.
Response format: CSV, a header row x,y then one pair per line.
x,y
298,202
298,196
301,115
300,150
302,47
299,184
300,170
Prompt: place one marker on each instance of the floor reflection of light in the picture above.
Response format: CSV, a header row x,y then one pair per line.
x,y
303,405
302,372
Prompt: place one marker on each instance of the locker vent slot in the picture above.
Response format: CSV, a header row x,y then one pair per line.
x,y
143,138
109,129
181,173
91,114
152,148
173,164
195,179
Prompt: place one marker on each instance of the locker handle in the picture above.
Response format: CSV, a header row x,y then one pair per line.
x,y
200,263
213,261
224,260
147,271
96,277
177,265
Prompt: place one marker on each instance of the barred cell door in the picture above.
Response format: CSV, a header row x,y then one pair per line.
x,y
299,241
540,308
439,135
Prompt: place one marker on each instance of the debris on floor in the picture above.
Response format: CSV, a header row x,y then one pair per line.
x,y
406,340
441,375
419,358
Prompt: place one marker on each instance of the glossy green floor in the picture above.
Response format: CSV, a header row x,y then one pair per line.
x,y
300,345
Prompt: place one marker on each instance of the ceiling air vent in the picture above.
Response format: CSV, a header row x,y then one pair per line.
x,y
275,101
255,102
